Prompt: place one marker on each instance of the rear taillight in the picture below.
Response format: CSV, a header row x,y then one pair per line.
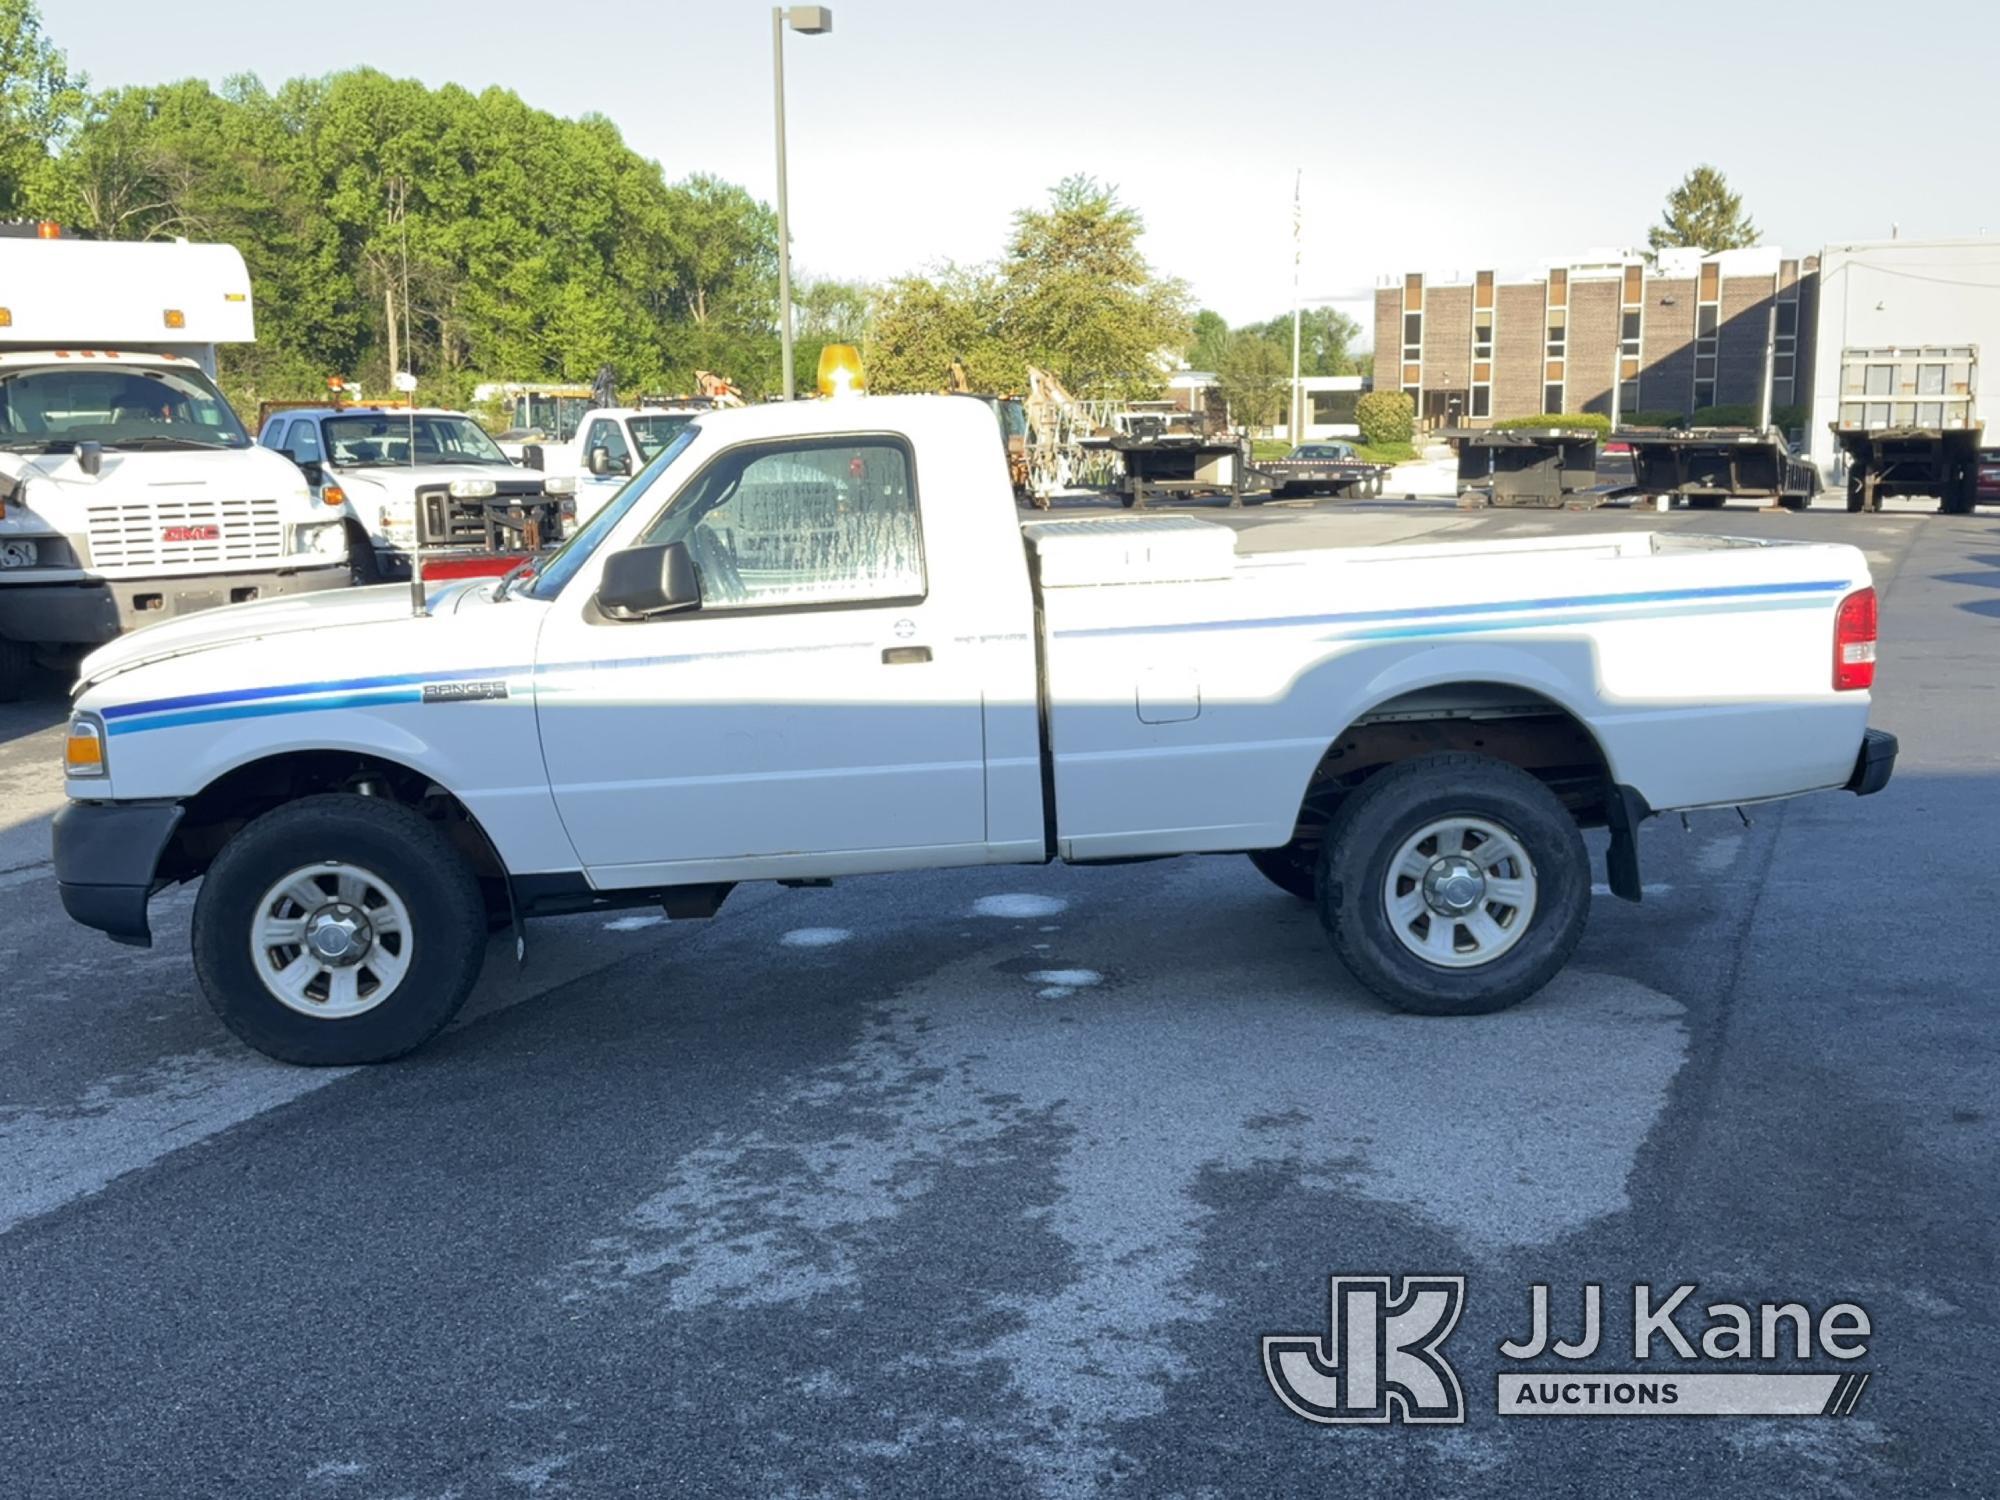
x,y
1854,630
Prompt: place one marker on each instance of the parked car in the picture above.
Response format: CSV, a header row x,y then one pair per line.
x,y
1412,737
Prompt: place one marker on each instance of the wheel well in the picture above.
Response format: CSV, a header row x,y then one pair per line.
x,y
218,810
1515,725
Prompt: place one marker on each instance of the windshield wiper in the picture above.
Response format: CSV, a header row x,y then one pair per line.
x,y
525,566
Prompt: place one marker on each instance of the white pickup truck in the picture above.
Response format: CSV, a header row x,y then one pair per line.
x,y
612,444
815,640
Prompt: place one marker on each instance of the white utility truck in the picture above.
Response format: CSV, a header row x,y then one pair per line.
x,y
813,640
129,491
411,479
612,444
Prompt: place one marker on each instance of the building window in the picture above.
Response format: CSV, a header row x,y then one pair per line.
x,y
1704,394
1333,408
1707,327
1628,396
1628,331
1552,399
1482,334
1413,334
1482,401
1558,331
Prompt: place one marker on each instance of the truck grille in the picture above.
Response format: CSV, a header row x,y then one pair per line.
x,y
165,532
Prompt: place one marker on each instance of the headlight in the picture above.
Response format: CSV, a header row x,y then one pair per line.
x,y
83,751
328,539
473,489
559,484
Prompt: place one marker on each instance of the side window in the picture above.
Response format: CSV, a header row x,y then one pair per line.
x,y
822,522
605,434
269,437
303,440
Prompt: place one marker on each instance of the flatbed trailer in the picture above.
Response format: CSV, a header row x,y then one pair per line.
x,y
1706,466
1543,468
1188,464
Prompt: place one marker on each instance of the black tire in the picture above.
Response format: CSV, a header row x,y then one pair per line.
x,y
1855,494
17,664
1392,806
361,559
447,921
1290,869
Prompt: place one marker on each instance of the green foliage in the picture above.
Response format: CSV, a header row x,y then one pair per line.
x,y
1386,453
388,225
1703,212
40,103
1325,333
1072,294
1386,418
1254,375
1569,421
1210,338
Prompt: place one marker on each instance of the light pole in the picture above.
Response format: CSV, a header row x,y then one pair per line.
x,y
809,20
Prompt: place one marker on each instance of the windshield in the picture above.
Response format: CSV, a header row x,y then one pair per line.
x,y
387,437
52,409
574,553
654,433
1321,450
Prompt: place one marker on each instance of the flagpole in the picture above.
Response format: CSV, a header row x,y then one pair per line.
x,y
1292,412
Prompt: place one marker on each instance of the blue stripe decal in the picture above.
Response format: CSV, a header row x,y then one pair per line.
x,y
1437,611
299,689
1543,622
375,698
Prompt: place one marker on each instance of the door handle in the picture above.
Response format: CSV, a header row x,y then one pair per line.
x,y
903,656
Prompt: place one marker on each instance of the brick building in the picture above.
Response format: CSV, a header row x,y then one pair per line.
x,y
1685,334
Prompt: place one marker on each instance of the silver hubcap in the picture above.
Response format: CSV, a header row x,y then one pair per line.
x,y
1460,892
331,940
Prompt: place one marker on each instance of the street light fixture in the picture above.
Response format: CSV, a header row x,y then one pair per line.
x,y
808,20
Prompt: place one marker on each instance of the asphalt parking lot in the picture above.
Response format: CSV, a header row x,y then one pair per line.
x,y
988,1182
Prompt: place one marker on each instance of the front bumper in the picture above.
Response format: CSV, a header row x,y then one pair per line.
x,y
1874,764
106,856
97,610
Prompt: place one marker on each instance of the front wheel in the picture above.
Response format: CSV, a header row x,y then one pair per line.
x,y
338,929
1453,885
17,663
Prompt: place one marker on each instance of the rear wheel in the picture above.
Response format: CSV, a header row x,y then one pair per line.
x,y
338,929
1856,495
361,559
1453,885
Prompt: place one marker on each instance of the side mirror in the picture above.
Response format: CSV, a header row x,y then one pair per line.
x,y
315,475
641,582
90,458
531,456
600,461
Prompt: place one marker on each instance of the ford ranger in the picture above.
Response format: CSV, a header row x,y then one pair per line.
x,y
815,640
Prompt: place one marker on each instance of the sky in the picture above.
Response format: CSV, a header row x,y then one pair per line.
x,y
1440,137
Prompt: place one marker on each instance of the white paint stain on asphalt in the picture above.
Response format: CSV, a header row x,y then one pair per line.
x,y
815,937
1717,854
1069,979
633,924
50,1156
1475,1126
1019,906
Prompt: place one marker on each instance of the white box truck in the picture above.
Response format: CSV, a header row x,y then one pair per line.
x,y
129,491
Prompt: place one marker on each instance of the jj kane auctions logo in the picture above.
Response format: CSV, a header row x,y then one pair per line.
x,y
1382,1357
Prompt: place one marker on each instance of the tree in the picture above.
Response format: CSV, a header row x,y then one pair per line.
x,y
922,325
40,102
1703,213
1078,298
1210,339
1253,373
1325,335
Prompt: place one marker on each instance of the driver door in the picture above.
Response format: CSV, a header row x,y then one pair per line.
x,y
817,711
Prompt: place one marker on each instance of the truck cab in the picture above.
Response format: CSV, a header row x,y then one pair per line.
x,y
403,478
130,493
612,443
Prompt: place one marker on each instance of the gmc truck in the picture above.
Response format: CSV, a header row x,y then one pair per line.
x,y
129,491
813,640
